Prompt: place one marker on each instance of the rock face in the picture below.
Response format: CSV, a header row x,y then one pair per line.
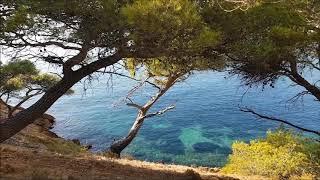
x,y
39,129
38,135
46,121
4,112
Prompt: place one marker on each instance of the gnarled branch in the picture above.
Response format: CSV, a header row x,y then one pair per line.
x,y
160,112
248,110
134,105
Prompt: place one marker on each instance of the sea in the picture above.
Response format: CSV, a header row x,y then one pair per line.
x,y
200,129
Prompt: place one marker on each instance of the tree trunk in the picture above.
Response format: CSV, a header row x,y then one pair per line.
x,y
11,126
10,113
311,88
295,76
9,110
118,146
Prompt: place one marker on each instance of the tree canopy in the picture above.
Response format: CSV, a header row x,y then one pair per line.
x,y
20,79
260,40
82,37
270,40
170,27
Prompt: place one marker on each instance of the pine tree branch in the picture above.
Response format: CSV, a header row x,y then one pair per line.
x,y
248,110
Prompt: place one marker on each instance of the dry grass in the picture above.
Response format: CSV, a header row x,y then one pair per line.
x,y
25,164
58,145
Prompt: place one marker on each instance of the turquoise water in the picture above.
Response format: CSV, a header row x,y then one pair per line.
x,y
199,131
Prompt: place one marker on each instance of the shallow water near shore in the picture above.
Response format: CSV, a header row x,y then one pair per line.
x,y
199,131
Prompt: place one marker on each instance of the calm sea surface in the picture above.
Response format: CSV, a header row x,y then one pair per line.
x,y
199,131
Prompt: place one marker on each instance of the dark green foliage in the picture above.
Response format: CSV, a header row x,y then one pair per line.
x,y
18,75
17,67
21,80
168,27
265,41
15,75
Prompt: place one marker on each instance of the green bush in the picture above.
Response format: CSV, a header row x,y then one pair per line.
x,y
64,147
281,154
57,145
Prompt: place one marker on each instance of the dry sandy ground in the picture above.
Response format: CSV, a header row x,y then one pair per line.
x,y
18,163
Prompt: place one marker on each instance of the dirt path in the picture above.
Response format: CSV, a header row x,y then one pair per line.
x,y
25,164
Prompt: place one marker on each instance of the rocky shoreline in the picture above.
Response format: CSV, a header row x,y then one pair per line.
x,y
40,126
39,129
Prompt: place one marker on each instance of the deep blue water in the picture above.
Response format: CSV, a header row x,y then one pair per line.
x,y
200,130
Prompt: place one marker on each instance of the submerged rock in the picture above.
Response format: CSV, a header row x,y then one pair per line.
x,y
204,147
208,147
167,147
224,150
89,146
76,141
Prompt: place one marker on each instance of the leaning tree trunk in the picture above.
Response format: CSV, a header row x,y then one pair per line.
x,y
118,146
315,91
297,78
11,126
10,110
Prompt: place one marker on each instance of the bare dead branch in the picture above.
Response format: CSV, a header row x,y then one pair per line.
x,y
170,82
160,112
134,105
129,77
315,66
298,96
248,110
39,44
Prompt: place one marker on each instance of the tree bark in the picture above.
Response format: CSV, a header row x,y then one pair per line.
x,y
309,87
118,146
9,109
10,112
247,110
295,76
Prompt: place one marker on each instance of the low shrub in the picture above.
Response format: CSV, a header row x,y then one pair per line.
x,y
58,145
64,147
281,154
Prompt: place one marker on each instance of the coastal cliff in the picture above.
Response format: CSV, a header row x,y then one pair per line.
x,y
39,129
